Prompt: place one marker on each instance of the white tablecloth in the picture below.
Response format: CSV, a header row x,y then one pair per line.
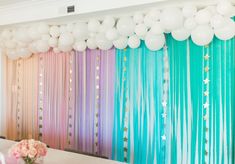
x,y
60,157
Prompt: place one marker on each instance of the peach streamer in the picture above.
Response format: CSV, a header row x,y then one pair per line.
x,y
21,94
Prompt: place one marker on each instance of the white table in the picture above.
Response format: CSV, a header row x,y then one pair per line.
x,y
60,157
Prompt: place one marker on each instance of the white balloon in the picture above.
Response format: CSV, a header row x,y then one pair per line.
x,y
56,50
202,35
91,43
10,44
80,46
212,10
225,7
148,21
141,30
63,29
138,18
43,28
112,34
6,34
33,33
109,22
154,42
203,16
102,42
11,54
65,48
172,18
217,21
66,39
91,34
55,31
133,41
70,27
33,47
180,34
29,54
22,35
190,23
121,42
227,31
80,31
53,42
126,26
42,46
93,25
45,37
21,44
154,14
189,11
24,52
157,29
103,28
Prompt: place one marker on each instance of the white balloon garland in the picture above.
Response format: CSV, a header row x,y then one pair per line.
x,y
200,24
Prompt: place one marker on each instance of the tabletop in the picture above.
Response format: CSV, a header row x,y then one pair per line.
x,y
55,156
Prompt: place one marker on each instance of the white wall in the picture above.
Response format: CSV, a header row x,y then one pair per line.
x,y
29,11
39,10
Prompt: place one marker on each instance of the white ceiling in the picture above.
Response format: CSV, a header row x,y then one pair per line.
x,y
9,2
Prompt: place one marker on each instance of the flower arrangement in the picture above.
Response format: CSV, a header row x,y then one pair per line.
x,y
28,150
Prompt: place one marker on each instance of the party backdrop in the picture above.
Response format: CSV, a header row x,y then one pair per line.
x,y
175,105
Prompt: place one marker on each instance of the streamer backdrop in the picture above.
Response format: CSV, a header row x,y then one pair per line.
x,y
115,103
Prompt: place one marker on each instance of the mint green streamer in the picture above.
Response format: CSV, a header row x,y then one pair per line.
x,y
186,127
141,91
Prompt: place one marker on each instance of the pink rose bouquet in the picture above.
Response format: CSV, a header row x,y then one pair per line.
x,y
28,150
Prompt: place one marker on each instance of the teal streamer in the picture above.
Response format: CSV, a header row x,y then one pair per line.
x,y
186,131
142,90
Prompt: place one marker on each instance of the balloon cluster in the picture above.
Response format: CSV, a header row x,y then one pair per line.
x,y
200,24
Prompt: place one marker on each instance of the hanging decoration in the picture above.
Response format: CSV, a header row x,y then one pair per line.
x,y
206,105
40,97
201,23
97,105
70,117
165,100
19,100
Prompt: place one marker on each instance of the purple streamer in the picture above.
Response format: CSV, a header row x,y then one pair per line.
x,y
85,101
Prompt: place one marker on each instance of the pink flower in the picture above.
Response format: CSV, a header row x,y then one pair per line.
x,y
15,153
41,148
32,153
24,151
28,149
